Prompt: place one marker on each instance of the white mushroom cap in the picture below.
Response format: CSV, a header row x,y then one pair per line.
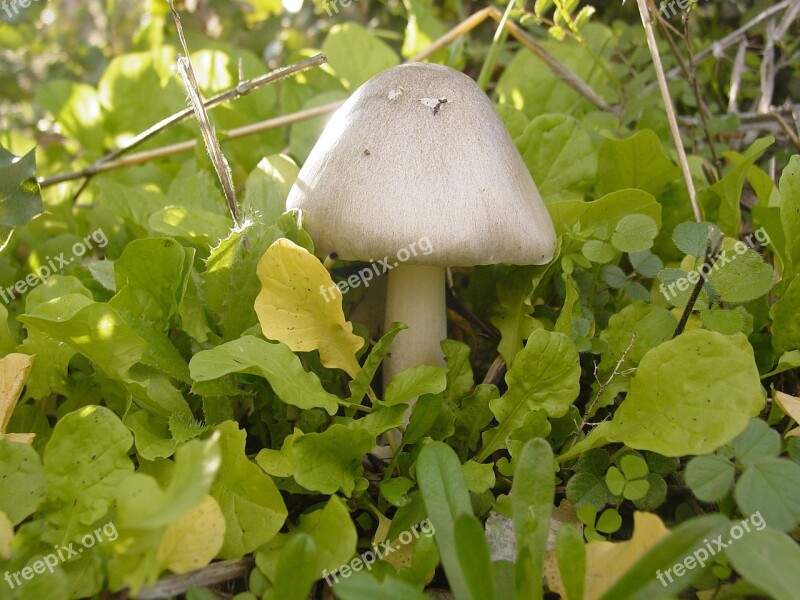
x,y
419,151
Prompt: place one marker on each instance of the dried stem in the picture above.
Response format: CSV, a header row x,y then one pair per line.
x,y
701,105
213,574
673,121
187,146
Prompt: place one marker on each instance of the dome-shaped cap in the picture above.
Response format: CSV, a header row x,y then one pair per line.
x,y
419,151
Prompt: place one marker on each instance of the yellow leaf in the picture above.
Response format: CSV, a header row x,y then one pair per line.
x,y
6,535
607,561
14,370
191,541
791,406
292,308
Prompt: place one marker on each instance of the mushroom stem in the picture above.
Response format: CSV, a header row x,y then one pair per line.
x,y
415,296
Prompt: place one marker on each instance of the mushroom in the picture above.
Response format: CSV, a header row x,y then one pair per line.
x,y
418,152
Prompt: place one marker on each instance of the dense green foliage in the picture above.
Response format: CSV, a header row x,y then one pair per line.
x,y
178,420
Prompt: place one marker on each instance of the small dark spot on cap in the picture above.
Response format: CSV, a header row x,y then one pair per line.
x,y
366,152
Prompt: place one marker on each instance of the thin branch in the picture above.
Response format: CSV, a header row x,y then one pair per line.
x,y
603,385
673,122
701,105
739,67
213,574
218,160
187,146
711,252
234,93
717,47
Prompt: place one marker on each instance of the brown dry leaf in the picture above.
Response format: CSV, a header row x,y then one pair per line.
x,y
14,370
607,561
791,406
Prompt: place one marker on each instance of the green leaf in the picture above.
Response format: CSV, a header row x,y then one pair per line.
x,y
364,586
545,376
587,488
446,498
571,557
757,442
710,477
151,277
92,328
84,461
473,554
329,461
274,362
230,284
790,211
786,319
253,507
634,233
415,382
267,186
646,263
601,216
355,54
692,238
741,275
20,200
690,395
633,466
771,487
560,156
512,314
615,481
767,558
638,162
609,522
295,574
532,505
24,486
729,188
479,477
598,251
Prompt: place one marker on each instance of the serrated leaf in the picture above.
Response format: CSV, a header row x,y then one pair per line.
x,y
293,310
634,233
329,461
692,238
253,507
544,377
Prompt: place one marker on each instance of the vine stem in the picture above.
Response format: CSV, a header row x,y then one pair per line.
x,y
671,117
